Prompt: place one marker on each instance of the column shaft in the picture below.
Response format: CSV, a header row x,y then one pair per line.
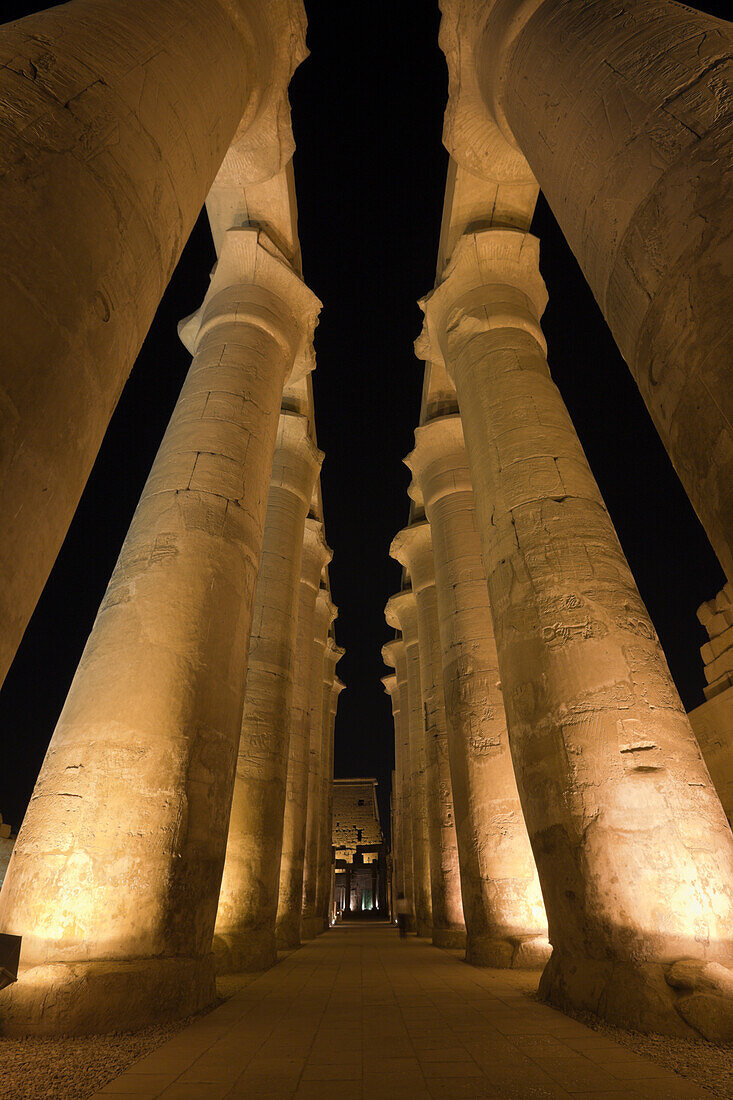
x,y
413,548
633,850
311,924
116,870
245,924
502,902
325,840
394,654
116,118
290,903
401,613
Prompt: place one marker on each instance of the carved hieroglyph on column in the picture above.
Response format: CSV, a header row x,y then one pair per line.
x,y
115,118
332,656
116,870
412,547
325,613
625,115
290,901
393,654
633,850
502,902
401,614
245,924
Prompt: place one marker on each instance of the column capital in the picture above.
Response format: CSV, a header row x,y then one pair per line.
x,y
297,460
337,688
413,548
401,614
334,653
263,142
316,553
325,614
252,283
492,281
390,687
393,651
476,37
439,463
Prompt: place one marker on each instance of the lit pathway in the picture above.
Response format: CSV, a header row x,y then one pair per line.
x,y
359,1013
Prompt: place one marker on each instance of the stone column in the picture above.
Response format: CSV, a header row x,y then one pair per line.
x,y
244,936
633,850
398,880
502,902
624,115
116,871
393,654
401,613
290,902
115,118
331,690
325,613
413,548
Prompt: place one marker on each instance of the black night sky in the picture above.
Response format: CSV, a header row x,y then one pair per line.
x,y
370,176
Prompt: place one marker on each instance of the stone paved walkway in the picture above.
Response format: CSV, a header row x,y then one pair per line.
x,y
359,1013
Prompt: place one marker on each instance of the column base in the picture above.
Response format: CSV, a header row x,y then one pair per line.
x,y
310,927
688,998
449,937
508,954
244,952
424,929
92,998
287,935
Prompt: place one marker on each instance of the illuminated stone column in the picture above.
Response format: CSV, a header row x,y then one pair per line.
x,y
325,613
329,704
633,850
393,654
115,876
116,117
398,880
290,901
502,902
624,115
244,936
401,614
413,548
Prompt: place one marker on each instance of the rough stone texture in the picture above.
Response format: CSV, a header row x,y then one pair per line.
x,y
311,924
401,613
245,924
290,900
625,114
115,874
115,119
633,850
393,654
7,840
502,902
332,687
412,547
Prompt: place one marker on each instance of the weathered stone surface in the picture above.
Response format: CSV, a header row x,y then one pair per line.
x,y
120,855
290,900
116,118
412,547
311,923
633,850
624,113
331,689
245,925
502,902
394,654
401,613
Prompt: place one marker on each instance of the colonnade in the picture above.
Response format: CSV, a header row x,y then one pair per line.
x,y
567,796
166,837
552,806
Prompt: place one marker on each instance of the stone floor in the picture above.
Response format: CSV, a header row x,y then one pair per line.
x,y
360,1013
